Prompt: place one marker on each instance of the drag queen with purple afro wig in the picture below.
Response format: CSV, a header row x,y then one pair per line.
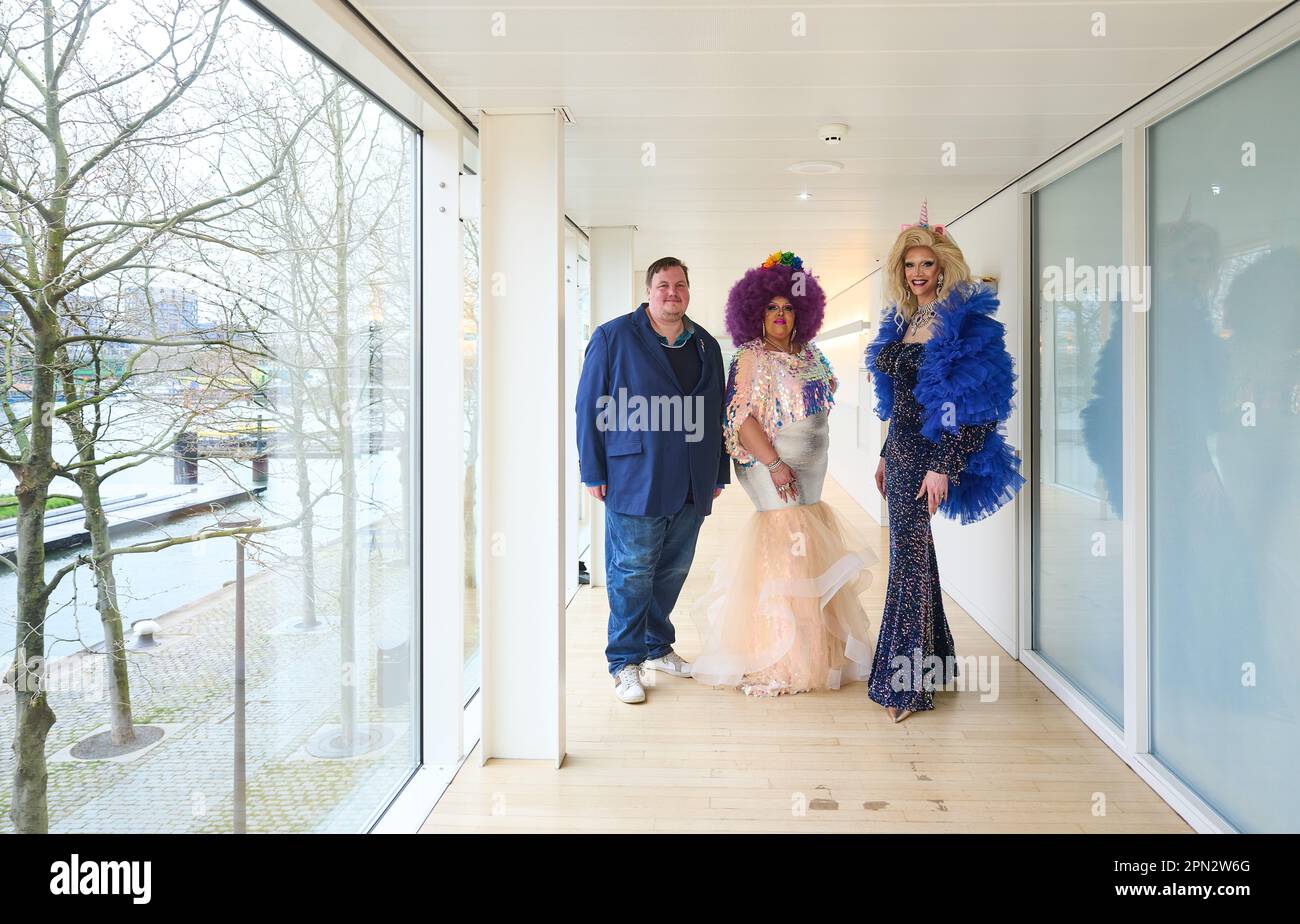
x,y
783,614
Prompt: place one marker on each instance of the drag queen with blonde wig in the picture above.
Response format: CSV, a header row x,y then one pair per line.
x,y
944,380
783,614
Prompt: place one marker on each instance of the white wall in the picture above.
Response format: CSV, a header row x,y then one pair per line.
x,y
614,292
856,433
978,562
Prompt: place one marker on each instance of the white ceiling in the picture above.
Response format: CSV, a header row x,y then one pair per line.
x,y
730,98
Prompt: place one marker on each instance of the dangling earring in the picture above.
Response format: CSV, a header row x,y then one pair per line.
x,y
939,287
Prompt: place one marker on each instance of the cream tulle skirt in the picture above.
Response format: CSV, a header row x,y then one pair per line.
x,y
783,614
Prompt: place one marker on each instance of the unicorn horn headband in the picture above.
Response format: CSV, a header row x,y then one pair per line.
x,y
924,221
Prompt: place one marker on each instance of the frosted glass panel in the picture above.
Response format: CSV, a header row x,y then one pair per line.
x,y
1225,439
1078,530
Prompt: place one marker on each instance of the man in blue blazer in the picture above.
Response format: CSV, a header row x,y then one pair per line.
x,y
650,446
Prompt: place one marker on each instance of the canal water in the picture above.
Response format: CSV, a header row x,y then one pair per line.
x,y
155,583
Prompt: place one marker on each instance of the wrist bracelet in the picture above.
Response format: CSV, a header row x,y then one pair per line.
x,y
771,466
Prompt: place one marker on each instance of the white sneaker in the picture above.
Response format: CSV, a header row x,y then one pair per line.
x,y
671,663
627,684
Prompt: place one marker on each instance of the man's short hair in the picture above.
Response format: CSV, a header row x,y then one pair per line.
x,y
662,264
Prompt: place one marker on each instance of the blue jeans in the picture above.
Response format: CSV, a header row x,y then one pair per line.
x,y
646,563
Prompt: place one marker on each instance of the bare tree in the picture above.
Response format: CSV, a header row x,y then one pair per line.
x,y
360,203
92,188
90,382
337,207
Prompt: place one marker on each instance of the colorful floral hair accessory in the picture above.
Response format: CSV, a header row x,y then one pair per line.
x,y
783,258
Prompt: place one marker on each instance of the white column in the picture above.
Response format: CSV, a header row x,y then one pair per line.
x,y
522,285
613,292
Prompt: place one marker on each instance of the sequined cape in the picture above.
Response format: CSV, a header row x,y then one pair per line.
x,y
966,377
775,389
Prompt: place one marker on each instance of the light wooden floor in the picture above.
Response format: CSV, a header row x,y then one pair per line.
x,y
693,758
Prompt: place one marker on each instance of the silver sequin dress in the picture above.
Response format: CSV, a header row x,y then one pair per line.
x,y
783,615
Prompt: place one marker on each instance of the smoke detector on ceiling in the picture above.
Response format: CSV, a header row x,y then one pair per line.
x,y
833,132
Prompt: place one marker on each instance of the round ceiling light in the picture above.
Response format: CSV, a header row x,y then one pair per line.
x,y
816,166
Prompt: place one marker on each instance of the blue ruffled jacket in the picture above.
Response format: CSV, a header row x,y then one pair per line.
x,y
965,366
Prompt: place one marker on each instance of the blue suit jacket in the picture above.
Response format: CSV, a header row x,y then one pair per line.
x,y
645,460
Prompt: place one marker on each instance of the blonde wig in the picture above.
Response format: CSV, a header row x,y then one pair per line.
x,y
952,266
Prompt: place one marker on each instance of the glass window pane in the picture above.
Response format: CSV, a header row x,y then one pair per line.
x,y
1224,355
232,413
1078,526
470,316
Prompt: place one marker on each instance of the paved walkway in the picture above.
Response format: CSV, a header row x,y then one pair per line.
x,y
184,783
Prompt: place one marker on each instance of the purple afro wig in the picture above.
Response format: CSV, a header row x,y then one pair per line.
x,y
749,298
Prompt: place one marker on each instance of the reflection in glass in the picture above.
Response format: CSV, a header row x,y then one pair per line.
x,y
1224,359
1078,530
585,500
470,352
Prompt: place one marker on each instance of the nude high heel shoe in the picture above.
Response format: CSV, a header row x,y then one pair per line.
x,y
897,717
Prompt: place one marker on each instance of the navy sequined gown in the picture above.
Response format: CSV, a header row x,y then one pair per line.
x,y
914,653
